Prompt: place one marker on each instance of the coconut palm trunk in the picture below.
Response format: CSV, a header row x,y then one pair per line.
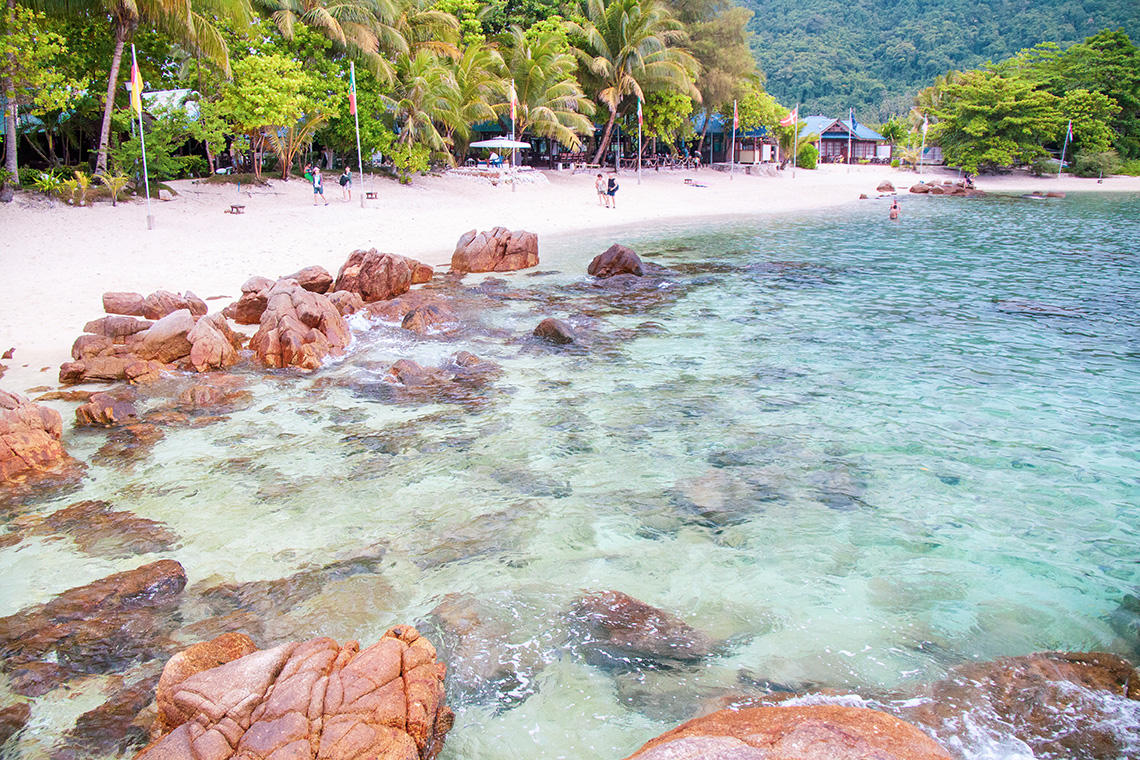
x,y
7,191
607,135
122,34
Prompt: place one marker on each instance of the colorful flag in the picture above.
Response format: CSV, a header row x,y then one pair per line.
x,y
735,117
790,119
136,88
514,103
1069,132
924,125
639,112
352,89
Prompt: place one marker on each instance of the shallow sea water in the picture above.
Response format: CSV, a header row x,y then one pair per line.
x,y
828,440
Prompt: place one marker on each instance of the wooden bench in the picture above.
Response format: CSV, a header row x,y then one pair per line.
x,y
370,196
237,208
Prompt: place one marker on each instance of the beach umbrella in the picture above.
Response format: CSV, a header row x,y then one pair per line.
x,y
503,143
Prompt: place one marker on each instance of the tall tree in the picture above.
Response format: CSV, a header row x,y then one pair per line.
x,y
188,22
986,121
479,85
422,101
627,49
550,101
355,26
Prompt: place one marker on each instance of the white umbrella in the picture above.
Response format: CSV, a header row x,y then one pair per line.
x,y
503,143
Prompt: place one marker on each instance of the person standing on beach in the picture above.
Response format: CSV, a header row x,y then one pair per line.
x,y
318,186
600,186
346,185
611,192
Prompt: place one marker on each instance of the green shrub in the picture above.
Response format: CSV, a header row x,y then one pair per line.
x,y
807,157
1131,167
895,163
1040,166
47,183
1095,163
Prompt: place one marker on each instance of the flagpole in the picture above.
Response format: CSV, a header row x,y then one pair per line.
x,y
514,115
850,129
732,148
639,141
356,118
795,138
142,136
1068,131
922,150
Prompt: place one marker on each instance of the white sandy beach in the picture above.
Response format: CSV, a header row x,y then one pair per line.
x,y
57,260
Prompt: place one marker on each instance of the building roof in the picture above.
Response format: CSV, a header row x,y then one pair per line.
x,y
718,125
818,125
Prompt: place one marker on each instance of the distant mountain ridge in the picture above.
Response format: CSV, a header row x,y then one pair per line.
x,y
873,55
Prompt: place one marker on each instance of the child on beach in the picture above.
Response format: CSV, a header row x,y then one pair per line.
x,y
318,186
346,185
600,186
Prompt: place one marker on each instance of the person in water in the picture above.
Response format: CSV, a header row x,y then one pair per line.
x,y
895,209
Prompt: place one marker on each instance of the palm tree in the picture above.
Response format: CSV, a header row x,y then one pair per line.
x,y
628,48
423,99
355,26
479,82
188,22
550,100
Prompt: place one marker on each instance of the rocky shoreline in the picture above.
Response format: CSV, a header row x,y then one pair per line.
x,y
202,671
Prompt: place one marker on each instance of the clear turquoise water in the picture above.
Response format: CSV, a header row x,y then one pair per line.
x,y
825,443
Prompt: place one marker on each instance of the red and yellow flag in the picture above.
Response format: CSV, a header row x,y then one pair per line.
x,y
352,88
514,103
136,89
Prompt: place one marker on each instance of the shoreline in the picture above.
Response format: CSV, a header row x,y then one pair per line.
x,y
59,260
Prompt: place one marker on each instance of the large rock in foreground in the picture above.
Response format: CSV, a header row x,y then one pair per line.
x,y
1061,704
310,700
499,250
29,437
376,276
299,329
616,260
819,732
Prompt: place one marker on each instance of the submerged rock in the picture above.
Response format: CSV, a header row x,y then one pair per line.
x,y
1061,704
313,699
617,259
106,410
102,627
96,528
555,331
618,630
114,726
499,250
12,719
820,732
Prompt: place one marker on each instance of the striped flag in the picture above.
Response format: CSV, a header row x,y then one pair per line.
x,y
735,116
1069,132
136,88
352,88
514,103
639,112
790,119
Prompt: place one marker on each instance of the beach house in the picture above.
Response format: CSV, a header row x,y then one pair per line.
x,y
837,136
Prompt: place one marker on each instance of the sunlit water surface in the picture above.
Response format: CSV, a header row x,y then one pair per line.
x,y
826,442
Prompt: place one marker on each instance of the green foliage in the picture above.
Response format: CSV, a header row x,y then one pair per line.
x,y
48,183
831,55
30,56
894,129
1088,163
665,116
467,13
755,108
77,188
1092,113
407,158
988,121
165,137
115,184
895,163
550,101
1130,167
807,156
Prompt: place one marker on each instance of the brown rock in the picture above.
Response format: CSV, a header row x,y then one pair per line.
x,y
213,344
87,346
97,369
618,629
106,410
819,732
12,719
617,259
920,188
299,329
167,339
248,309
395,309
554,331
257,284
113,725
421,273
98,628
198,658
407,372
426,319
499,250
1054,194
29,437
130,304
96,528
116,327
885,187
346,302
139,372
162,303
1061,704
314,279
376,276
315,699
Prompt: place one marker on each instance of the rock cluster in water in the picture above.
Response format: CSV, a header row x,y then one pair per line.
x,y
499,250
948,187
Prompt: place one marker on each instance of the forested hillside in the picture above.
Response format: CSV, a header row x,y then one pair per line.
x,y
874,54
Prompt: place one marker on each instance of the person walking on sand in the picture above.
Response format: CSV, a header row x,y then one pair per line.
x,y
611,192
600,186
346,185
318,186
895,209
